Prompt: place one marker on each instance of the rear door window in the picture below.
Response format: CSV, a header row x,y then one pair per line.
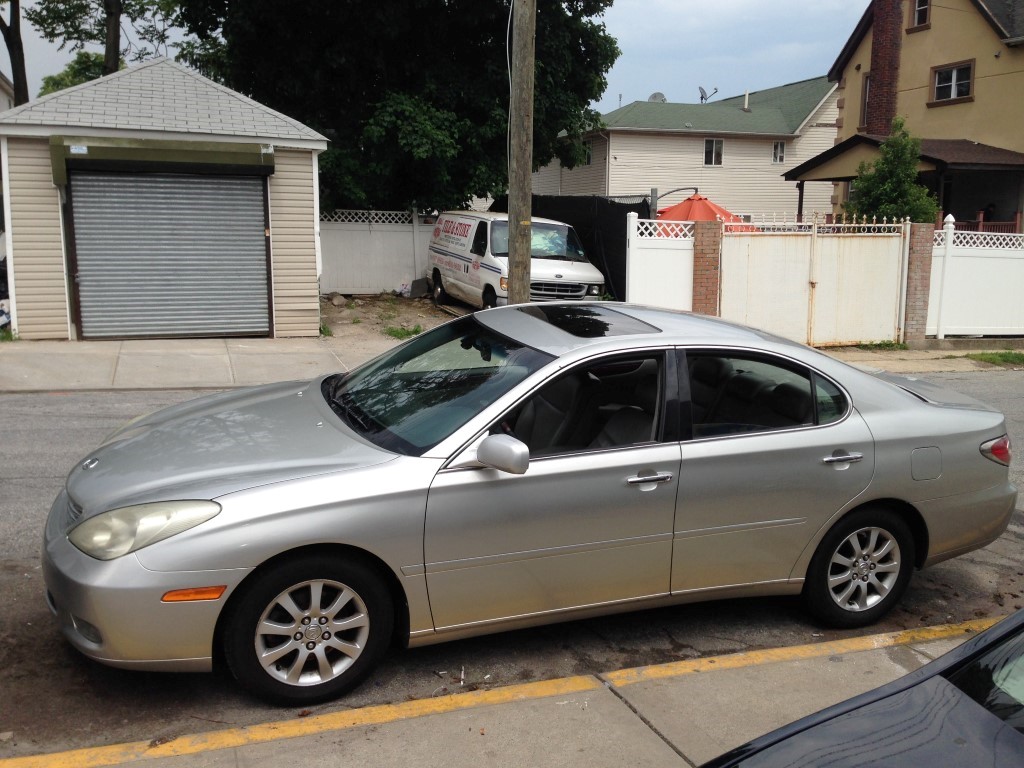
x,y
734,393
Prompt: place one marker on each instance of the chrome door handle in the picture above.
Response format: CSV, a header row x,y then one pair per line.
x,y
660,477
847,458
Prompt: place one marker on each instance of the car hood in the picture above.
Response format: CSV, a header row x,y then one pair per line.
x,y
933,393
561,269
219,444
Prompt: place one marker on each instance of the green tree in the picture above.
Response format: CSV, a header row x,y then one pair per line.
x,y
100,22
888,188
84,67
413,94
10,28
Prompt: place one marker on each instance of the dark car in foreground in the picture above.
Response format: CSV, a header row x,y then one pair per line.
x,y
966,708
519,466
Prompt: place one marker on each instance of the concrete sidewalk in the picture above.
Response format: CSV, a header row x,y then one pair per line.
x,y
27,366
677,714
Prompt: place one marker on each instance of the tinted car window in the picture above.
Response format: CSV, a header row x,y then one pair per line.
x,y
996,681
734,394
612,403
415,396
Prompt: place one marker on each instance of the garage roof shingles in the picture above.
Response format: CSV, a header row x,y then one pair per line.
x,y
160,95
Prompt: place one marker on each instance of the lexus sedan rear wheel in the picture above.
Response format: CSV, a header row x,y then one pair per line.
x,y
309,630
861,568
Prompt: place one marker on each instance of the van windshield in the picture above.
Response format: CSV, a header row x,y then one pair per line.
x,y
548,241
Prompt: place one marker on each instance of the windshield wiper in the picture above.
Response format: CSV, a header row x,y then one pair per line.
x,y
345,403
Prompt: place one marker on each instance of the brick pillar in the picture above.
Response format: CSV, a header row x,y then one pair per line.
x,y
707,258
919,279
886,39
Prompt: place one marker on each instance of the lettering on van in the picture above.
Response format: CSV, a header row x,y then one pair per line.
x,y
456,228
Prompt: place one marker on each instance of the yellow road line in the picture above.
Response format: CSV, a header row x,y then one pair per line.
x,y
795,652
118,754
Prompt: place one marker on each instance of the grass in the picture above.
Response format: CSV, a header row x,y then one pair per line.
x,y
1006,359
325,329
882,346
7,334
403,333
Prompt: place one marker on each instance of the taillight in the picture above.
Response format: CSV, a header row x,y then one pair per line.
x,y
998,450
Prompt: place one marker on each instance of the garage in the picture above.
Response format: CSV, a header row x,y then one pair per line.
x,y
169,255
155,203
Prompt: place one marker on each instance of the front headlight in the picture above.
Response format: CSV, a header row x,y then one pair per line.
x,y
115,533
595,290
503,283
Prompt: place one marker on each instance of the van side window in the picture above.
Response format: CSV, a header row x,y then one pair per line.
x,y
480,240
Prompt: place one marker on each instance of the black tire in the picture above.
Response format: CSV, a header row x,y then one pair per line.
x,y
490,298
440,294
312,658
861,568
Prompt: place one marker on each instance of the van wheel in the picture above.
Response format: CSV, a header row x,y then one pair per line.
x,y
490,298
440,295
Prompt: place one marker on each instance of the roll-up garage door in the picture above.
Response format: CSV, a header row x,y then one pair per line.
x,y
170,255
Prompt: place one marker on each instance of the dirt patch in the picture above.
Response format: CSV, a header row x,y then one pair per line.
x,y
383,314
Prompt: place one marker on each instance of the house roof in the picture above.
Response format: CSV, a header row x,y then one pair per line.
x,y
840,162
775,111
1006,17
159,96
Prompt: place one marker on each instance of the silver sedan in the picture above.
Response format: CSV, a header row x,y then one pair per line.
x,y
523,465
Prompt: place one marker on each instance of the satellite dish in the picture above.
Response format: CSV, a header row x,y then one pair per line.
x,y
658,97
704,95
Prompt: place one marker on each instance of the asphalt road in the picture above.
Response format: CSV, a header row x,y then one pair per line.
x,y
54,699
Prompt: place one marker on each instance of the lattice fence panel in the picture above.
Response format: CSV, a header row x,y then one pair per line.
x,y
368,217
676,230
988,240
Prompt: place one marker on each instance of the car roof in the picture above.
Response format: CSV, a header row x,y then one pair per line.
x,y
561,327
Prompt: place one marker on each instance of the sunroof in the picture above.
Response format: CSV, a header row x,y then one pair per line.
x,y
587,320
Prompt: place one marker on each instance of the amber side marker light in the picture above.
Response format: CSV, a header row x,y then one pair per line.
x,y
194,594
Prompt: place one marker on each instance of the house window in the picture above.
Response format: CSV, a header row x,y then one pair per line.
x,y
952,83
779,152
920,14
864,96
712,151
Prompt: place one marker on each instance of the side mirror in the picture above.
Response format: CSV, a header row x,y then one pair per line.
x,y
504,452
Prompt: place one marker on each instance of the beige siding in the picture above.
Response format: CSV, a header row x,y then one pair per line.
x,y
553,179
293,245
37,250
747,182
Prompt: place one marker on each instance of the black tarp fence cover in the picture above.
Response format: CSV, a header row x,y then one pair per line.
x,y
600,223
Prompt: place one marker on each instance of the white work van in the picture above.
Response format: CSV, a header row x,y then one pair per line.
x,y
469,261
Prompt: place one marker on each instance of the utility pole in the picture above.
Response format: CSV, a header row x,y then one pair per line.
x,y
520,186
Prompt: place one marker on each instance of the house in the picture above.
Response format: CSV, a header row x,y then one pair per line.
x,y
733,150
154,202
6,92
955,72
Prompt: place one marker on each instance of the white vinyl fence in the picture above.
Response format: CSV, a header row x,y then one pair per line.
x,y
367,252
659,262
820,284
817,283
977,283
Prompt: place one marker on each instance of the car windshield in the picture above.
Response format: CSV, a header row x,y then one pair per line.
x,y
547,241
995,680
410,399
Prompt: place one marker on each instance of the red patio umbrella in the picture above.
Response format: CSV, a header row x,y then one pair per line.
x,y
696,208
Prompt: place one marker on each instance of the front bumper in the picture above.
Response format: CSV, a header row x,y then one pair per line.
x,y
111,611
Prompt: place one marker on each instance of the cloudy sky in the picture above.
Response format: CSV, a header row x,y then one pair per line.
x,y
675,46
671,46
